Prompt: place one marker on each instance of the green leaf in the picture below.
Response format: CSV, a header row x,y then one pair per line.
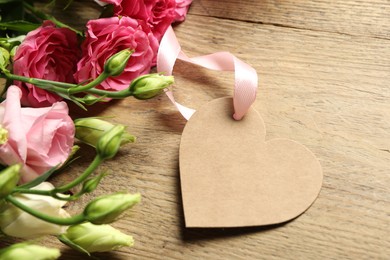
x,y
19,26
39,180
71,99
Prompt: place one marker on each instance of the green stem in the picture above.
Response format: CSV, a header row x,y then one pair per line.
x,y
92,167
54,192
111,94
66,88
90,85
50,193
44,16
31,191
41,82
55,220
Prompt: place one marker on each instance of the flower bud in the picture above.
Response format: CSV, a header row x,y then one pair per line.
x,y
9,177
29,251
108,145
116,64
91,184
4,58
91,238
17,223
106,209
149,86
89,130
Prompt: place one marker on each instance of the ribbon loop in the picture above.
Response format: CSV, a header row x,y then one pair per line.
x,y
245,87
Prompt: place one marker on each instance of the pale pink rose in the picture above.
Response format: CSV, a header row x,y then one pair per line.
x,y
46,53
181,10
37,138
107,36
158,14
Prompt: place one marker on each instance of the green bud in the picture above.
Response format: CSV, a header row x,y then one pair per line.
x,y
116,64
106,209
29,251
89,238
149,86
91,184
9,178
108,145
4,58
89,130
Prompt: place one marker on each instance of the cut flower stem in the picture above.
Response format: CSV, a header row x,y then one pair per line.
x,y
91,168
77,219
65,88
54,192
86,87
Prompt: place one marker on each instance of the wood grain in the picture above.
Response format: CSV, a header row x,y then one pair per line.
x,y
325,89
352,17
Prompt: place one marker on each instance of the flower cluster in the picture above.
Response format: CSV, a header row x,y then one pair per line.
x,y
52,51
46,64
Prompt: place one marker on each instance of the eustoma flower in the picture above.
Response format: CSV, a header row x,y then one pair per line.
x,y
15,222
29,251
37,138
158,14
107,36
90,238
47,53
181,10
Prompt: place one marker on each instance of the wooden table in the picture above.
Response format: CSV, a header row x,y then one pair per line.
x,y
324,70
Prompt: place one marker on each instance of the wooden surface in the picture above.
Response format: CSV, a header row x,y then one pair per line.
x,y
324,70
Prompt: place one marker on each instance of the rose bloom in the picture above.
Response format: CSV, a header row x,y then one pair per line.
x,y
37,138
158,14
107,36
17,223
181,10
47,53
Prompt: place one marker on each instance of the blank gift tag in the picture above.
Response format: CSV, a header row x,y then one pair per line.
x,y
232,177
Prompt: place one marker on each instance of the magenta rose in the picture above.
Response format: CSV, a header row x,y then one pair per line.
x,y
107,36
37,138
181,10
46,53
158,14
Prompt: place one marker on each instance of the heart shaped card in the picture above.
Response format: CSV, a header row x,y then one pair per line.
x,y
232,177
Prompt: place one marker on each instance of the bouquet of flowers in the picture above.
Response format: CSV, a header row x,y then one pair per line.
x,y
45,64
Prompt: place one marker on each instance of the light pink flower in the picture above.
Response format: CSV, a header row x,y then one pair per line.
x,y
46,53
181,10
38,138
158,14
107,36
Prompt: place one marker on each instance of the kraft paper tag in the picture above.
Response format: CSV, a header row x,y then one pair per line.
x,y
231,177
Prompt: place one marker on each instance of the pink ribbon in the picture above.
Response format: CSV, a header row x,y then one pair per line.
x,y
245,76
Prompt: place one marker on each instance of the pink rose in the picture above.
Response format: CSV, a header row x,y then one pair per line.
x,y
47,53
181,10
38,138
158,14
107,36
